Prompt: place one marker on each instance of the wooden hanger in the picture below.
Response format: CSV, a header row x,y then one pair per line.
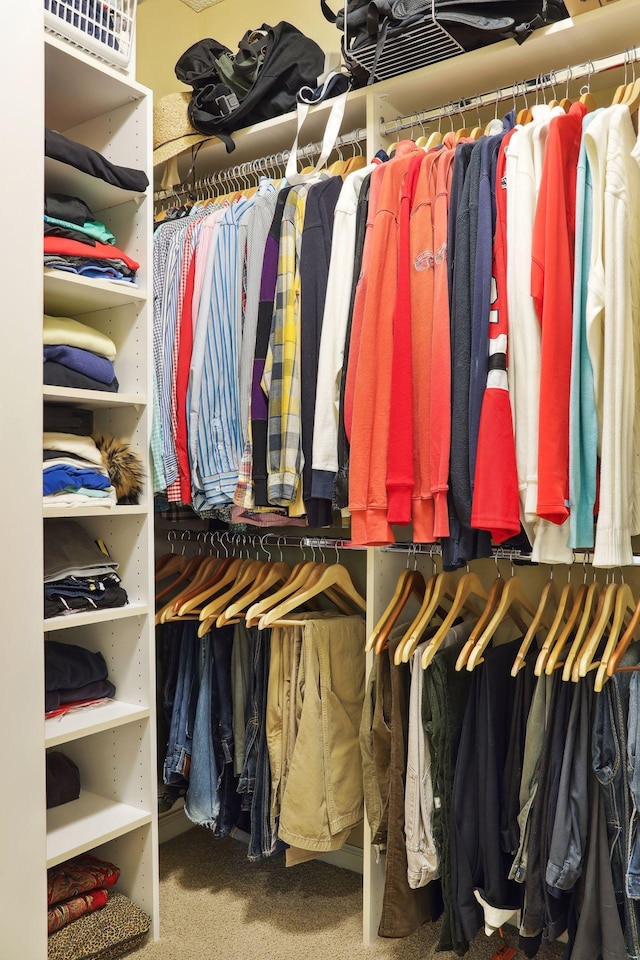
x,y
444,586
169,564
554,657
336,575
632,97
469,585
224,575
586,618
628,637
296,580
512,594
189,598
410,583
625,603
246,574
193,577
484,619
548,604
186,574
587,652
565,603
589,101
271,576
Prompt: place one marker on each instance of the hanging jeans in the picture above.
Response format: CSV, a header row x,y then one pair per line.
x,y
633,752
222,730
180,746
263,841
610,763
202,803
240,681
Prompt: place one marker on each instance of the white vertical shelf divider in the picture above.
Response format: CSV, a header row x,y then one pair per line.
x,y
22,827
116,814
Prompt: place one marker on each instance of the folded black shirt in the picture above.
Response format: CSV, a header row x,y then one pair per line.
x,y
61,206
90,691
56,375
67,666
51,230
90,161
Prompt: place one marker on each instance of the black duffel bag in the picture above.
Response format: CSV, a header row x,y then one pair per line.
x,y
260,81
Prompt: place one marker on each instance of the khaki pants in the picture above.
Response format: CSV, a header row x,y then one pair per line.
x,y
314,728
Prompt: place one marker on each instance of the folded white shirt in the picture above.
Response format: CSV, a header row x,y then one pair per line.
x,y
70,443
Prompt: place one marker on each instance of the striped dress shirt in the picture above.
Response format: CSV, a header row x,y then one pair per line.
x,y
215,406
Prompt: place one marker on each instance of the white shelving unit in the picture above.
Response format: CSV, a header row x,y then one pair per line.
x,y
598,34
113,743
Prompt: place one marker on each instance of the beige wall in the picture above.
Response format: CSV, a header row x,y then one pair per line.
x,y
165,29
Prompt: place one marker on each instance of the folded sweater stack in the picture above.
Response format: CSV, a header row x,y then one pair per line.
x,y
79,574
74,677
78,356
74,239
73,472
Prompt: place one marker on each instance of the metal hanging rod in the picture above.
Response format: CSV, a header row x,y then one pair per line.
x,y
519,88
240,540
256,168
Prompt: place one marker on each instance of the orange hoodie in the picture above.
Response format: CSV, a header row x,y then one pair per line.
x,y
372,390
441,347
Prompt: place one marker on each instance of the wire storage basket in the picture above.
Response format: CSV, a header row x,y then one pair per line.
x,y
103,28
417,44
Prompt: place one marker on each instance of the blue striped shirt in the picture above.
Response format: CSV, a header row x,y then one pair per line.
x,y
215,403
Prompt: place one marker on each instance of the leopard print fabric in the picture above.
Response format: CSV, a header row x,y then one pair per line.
x,y
111,932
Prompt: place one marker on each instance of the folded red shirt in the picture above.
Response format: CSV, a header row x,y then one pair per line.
x,y
73,248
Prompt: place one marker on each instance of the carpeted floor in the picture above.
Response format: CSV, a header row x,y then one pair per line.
x,y
216,905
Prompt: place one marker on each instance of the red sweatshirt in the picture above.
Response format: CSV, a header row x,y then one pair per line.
x,y
400,448
375,187
552,289
372,392
496,504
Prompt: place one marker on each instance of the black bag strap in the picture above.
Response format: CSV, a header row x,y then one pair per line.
x,y
382,36
248,54
327,12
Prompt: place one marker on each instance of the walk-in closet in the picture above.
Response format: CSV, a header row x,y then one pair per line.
x,y
332,588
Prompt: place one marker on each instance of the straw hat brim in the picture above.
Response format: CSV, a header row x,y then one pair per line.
x,y
174,148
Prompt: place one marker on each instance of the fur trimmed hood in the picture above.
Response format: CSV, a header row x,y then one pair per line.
x,y
125,468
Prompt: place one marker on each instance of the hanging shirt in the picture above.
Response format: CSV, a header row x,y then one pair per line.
x,y
613,311
333,339
370,426
281,378
583,421
315,259
496,506
552,291
217,422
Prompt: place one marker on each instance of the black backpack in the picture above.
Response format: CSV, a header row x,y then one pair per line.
x,y
259,82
